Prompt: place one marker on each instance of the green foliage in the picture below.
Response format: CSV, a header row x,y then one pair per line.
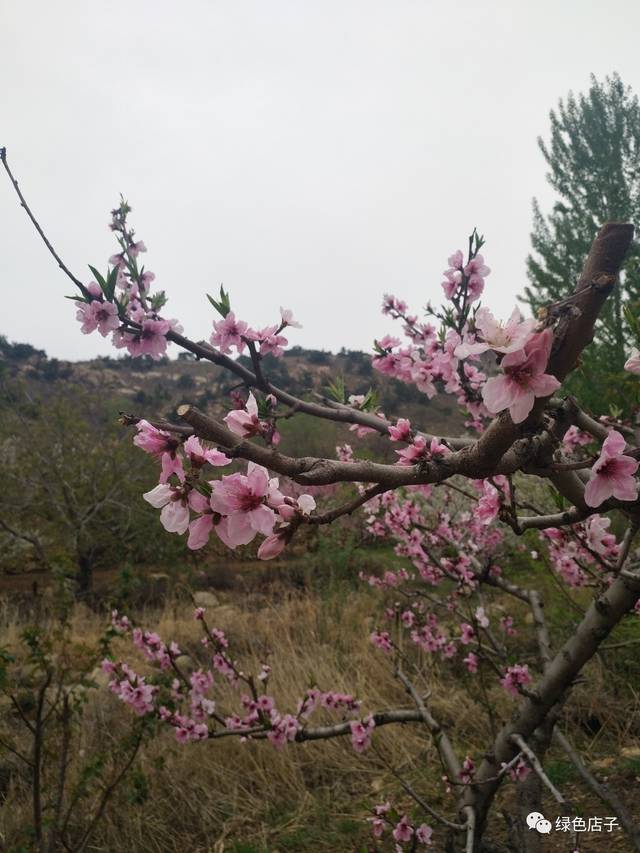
x,y
49,678
594,167
72,486
223,305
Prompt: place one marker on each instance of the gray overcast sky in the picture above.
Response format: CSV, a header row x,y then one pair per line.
x,y
306,154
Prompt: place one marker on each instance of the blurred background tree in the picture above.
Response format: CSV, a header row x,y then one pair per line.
x,y
594,166
71,486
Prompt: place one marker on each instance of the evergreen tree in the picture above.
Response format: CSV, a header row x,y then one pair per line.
x,y
594,166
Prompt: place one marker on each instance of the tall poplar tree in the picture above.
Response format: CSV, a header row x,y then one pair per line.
x,y
594,167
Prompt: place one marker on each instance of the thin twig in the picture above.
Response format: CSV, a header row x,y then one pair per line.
x,y
601,790
59,261
533,760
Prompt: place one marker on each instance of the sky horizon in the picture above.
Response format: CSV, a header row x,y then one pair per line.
x,y
314,156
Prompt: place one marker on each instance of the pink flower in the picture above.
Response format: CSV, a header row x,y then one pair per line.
x,y
382,640
270,342
456,260
515,677
135,249
272,546
477,267
245,422
471,662
153,440
467,633
418,451
468,770
150,340
519,772
612,474
401,431
632,364
451,282
99,315
508,337
146,278
175,511
361,732
198,455
599,539
377,826
523,379
229,332
403,830
424,833
163,446
199,531
242,499
481,617
506,623
287,318
489,504
573,438
306,504
344,452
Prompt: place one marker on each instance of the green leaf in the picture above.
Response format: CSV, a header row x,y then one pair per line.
x,y
110,287
224,305
337,390
370,402
98,277
158,300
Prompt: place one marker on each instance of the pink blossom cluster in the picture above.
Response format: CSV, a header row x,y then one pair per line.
x,y
426,360
229,333
130,688
121,304
188,704
172,453
422,532
464,282
519,771
237,507
515,678
583,550
402,830
154,649
447,358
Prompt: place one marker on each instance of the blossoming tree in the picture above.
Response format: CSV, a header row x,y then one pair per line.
x,y
447,502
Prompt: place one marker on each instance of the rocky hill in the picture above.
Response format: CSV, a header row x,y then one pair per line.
x,y
155,388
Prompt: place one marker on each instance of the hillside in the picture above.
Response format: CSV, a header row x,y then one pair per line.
x,y
155,388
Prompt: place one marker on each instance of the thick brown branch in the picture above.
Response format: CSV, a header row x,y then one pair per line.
x,y
600,619
598,278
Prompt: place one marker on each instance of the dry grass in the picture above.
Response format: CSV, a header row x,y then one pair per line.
x,y
250,798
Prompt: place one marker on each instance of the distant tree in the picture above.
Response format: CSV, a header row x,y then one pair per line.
x,y
70,478
594,167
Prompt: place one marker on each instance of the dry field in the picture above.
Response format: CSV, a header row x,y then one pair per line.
x,y
252,798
